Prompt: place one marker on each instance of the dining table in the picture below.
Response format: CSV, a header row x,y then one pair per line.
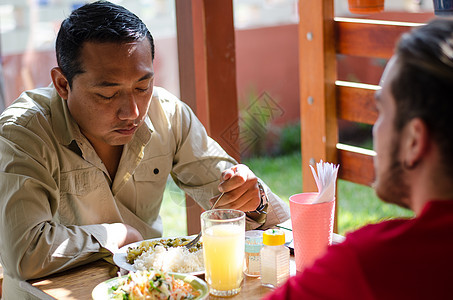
x,y
79,282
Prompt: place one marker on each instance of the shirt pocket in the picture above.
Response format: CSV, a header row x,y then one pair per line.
x,y
81,182
85,198
154,169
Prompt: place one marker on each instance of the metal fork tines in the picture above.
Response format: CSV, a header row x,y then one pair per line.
x,y
197,238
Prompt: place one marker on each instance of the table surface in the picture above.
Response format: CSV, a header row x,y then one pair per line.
x,y
78,283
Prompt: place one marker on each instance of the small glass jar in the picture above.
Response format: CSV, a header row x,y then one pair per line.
x,y
274,258
253,245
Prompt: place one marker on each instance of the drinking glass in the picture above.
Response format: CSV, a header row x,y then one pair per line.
x,y
223,232
312,225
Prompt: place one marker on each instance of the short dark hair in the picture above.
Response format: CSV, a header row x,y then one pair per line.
x,y
423,87
102,22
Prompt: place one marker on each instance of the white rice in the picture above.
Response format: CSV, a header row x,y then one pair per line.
x,y
177,259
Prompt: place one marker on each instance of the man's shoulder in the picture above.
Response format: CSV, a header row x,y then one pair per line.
x,y
168,102
372,239
373,232
27,106
28,119
164,96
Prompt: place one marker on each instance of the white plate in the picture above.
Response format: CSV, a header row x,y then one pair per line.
x,y
119,257
101,291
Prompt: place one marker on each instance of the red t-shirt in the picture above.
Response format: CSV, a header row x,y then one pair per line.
x,y
396,259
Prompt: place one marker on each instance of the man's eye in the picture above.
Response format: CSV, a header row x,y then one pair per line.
x,y
143,90
106,97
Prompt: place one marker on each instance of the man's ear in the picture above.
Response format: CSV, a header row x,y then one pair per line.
x,y
416,142
60,82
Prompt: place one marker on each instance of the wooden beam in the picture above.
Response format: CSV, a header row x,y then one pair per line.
x,y
192,57
221,74
369,38
193,86
317,65
207,68
356,164
355,102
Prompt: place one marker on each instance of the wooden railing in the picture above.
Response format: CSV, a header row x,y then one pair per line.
x,y
355,101
324,99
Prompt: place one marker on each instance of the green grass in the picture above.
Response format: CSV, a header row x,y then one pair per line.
x,y
173,211
357,204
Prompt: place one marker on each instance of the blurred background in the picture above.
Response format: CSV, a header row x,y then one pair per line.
x,y
266,45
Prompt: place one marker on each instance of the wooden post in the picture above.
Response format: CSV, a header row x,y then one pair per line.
x,y
317,67
207,69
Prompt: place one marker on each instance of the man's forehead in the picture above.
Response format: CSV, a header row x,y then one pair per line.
x,y
116,57
389,71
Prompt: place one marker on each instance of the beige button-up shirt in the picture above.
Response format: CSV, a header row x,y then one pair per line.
x,y
57,199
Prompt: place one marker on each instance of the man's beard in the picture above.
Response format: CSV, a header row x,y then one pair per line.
x,y
392,185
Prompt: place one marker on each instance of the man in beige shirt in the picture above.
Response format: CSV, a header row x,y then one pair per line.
x,y
84,162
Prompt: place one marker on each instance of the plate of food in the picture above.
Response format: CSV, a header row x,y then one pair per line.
x,y
167,254
151,284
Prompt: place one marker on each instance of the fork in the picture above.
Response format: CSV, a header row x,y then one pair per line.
x,y
197,238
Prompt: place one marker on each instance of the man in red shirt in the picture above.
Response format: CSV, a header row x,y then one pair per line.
x,y
413,138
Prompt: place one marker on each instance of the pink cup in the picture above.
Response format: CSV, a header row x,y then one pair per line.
x,y
312,226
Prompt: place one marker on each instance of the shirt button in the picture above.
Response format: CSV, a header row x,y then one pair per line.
x,y
156,171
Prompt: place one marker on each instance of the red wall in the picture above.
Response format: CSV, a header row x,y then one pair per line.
x,y
32,69
267,61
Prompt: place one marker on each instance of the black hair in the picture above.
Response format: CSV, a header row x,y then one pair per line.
x,y
423,87
102,22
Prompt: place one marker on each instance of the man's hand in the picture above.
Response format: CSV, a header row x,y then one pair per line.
x,y
241,189
126,234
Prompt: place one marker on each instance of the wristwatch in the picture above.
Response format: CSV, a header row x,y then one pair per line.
x,y
262,208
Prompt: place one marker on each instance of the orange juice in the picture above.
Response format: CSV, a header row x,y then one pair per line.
x,y
223,249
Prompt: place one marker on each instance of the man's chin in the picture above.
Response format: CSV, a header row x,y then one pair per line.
x,y
120,141
391,195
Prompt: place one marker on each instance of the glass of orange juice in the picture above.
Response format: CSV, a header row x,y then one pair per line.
x,y
223,232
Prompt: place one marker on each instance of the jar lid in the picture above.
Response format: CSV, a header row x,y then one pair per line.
x,y
254,234
273,237
253,241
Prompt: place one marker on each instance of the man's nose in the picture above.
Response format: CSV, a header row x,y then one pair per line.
x,y
129,108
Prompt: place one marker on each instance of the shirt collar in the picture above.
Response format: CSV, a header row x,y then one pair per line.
x,y
144,132
64,126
